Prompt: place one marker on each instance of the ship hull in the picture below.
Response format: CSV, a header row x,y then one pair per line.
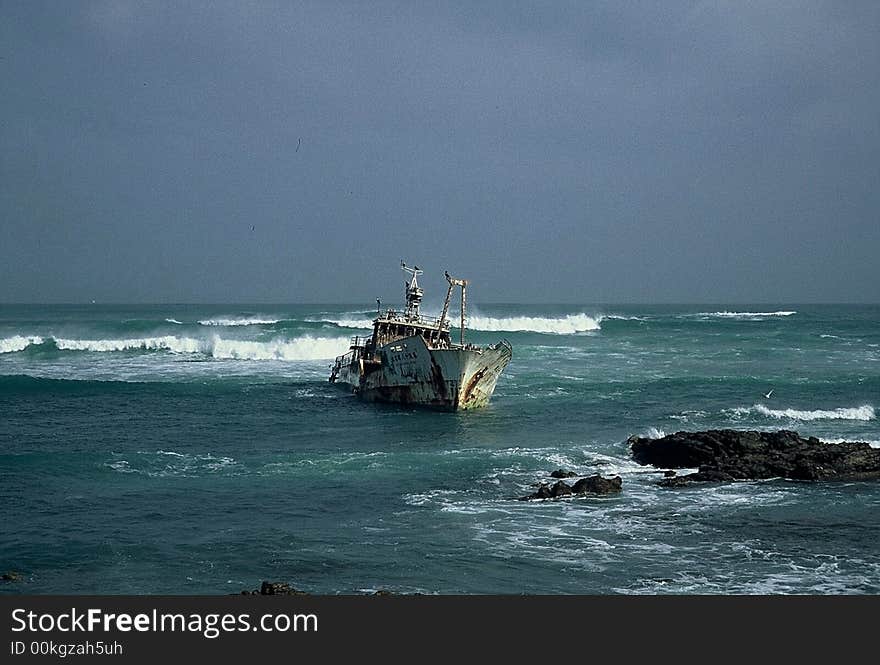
x,y
408,372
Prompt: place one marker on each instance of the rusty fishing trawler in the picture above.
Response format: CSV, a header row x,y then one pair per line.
x,y
411,359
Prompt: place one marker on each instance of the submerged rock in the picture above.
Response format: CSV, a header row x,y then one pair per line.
x,y
11,576
562,473
591,485
725,455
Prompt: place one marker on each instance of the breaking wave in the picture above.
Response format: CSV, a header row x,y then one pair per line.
x,y
243,321
18,343
351,323
874,443
864,412
174,321
299,348
564,325
164,343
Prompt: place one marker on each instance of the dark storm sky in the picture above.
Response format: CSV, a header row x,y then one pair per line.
x,y
550,152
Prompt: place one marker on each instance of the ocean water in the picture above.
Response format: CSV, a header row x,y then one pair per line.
x,y
200,449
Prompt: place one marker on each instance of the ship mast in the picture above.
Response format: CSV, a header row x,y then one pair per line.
x,y
453,282
413,292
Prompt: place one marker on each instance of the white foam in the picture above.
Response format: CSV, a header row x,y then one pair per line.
x,y
564,325
352,323
745,315
686,416
18,343
621,317
864,412
165,463
175,321
299,348
655,433
163,343
874,443
243,321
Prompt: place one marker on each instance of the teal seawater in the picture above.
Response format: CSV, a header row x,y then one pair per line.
x,y
200,449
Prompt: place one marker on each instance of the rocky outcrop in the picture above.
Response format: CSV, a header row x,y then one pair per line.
x,y
274,589
725,455
590,486
597,485
11,576
562,473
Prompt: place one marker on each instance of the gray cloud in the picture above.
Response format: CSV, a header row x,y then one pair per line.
x,y
588,152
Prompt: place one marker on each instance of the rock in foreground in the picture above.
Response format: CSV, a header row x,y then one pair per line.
x,y
724,455
274,589
591,485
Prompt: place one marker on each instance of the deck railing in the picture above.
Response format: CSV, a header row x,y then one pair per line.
x,y
429,321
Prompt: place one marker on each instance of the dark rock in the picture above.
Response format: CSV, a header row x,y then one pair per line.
x,y
725,455
679,481
278,589
594,485
11,576
543,492
669,473
597,485
560,489
707,476
562,473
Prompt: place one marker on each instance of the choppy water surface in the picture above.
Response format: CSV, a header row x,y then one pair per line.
x,y
185,449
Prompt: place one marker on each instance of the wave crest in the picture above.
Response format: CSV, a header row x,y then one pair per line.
x,y
864,412
298,348
18,343
241,321
564,325
164,343
352,323
744,315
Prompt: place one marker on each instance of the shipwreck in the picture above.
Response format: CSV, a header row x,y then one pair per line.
x,y
411,359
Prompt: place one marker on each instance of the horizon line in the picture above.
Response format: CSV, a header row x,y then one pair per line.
x,y
487,303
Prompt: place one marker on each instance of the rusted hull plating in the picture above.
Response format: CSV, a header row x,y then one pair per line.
x,y
408,372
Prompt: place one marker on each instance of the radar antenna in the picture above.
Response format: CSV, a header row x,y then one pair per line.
x,y
413,292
